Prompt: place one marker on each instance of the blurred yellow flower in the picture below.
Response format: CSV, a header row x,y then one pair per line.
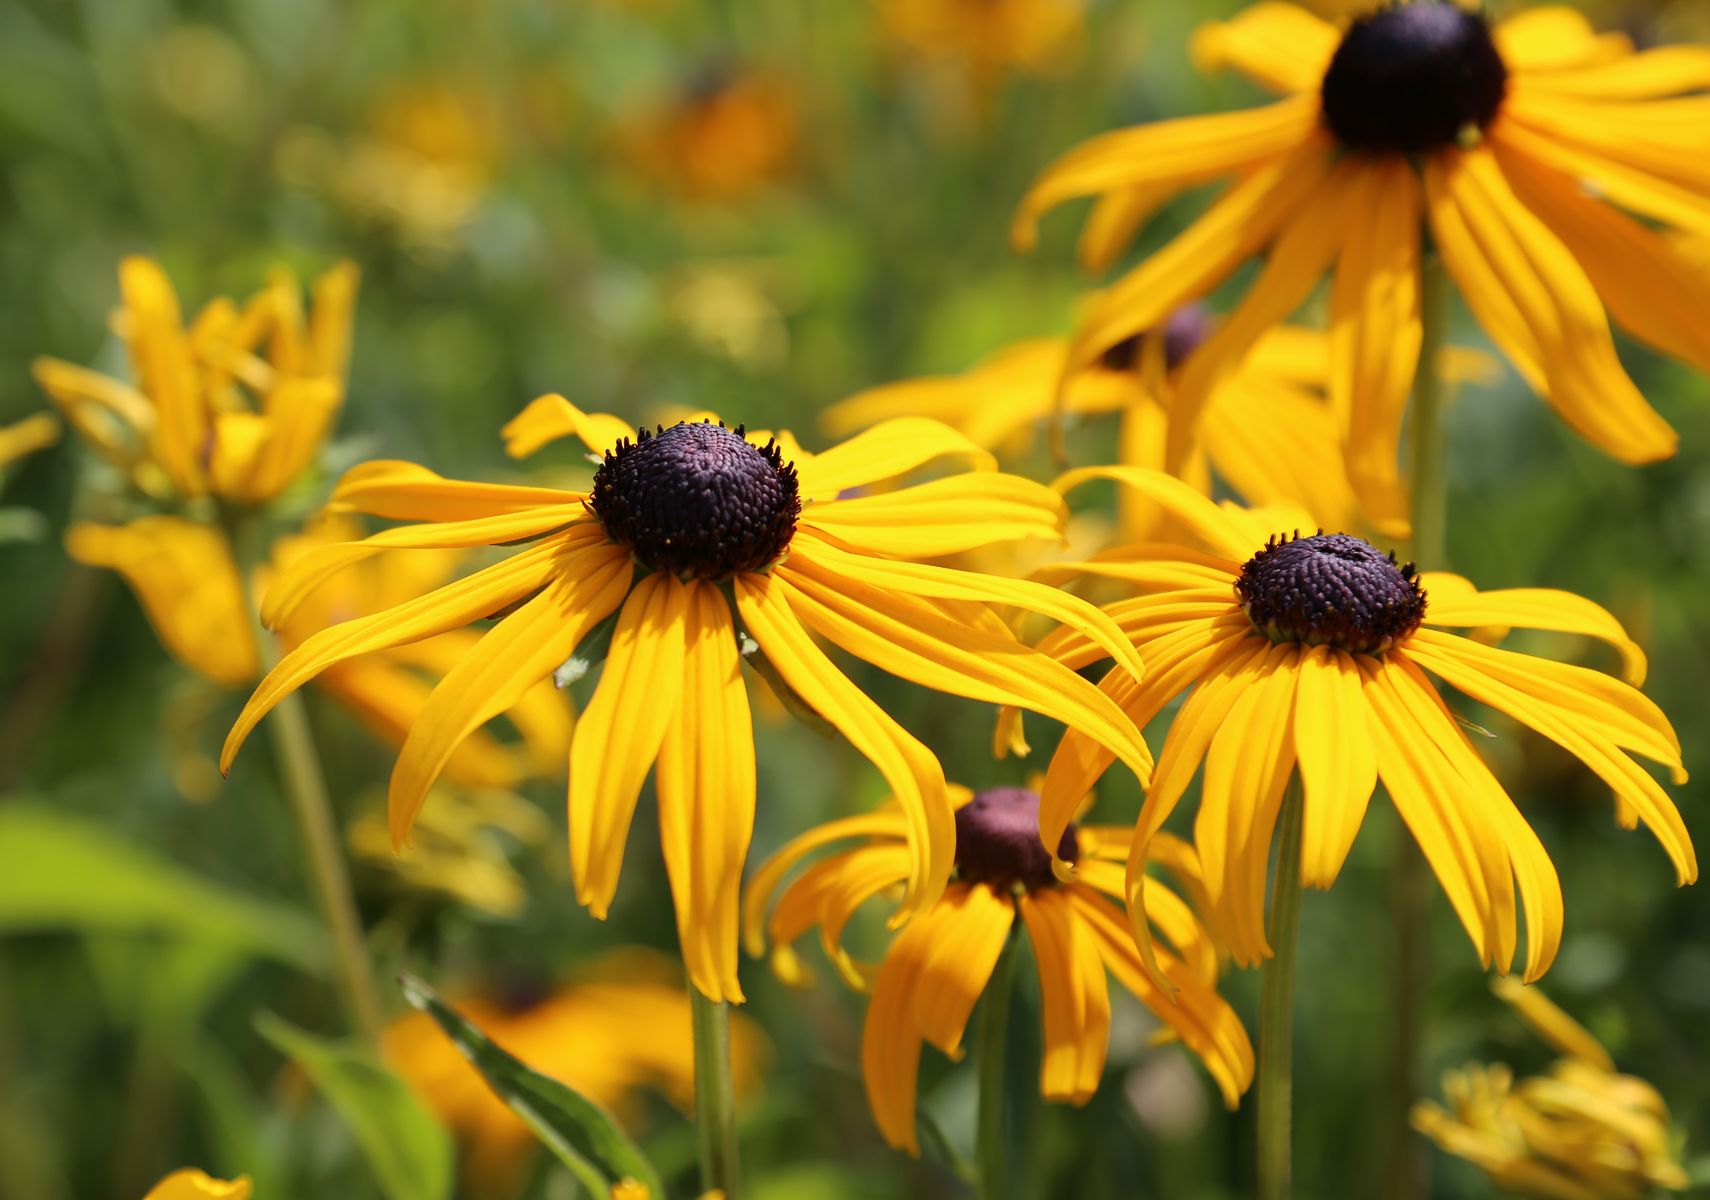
x,y
620,1029
688,536
1310,654
1522,148
925,987
458,847
191,1184
987,36
235,405
725,137
23,438
1580,1131
184,576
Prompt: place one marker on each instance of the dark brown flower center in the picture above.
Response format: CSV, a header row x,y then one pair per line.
x,y
1330,590
698,500
997,841
1412,78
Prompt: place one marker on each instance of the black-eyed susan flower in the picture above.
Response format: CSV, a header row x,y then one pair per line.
x,y
1579,1131
688,537
234,405
195,597
618,1030
192,1184
1315,654
925,986
1537,155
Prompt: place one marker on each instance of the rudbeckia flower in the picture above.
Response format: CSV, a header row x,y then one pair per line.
x,y
1316,654
1579,1131
235,405
184,576
925,987
1537,154
191,1184
688,537
619,1030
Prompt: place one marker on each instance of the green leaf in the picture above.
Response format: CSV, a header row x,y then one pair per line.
x,y
67,873
582,1134
410,1152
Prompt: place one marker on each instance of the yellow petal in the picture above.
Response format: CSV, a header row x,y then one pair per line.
x,y
1075,1000
1534,608
1205,520
191,1184
973,925
890,1043
1279,46
885,451
1338,766
330,320
403,491
619,735
943,517
1549,1022
165,372
1552,37
550,417
765,881
21,438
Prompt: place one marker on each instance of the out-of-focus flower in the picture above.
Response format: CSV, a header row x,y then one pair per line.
x,y
1579,1131
987,37
725,137
727,310
235,405
191,1184
1522,147
686,536
184,576
23,438
1267,430
925,987
203,74
459,847
1310,654
622,1029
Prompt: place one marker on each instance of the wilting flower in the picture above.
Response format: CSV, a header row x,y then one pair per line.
x,y
184,575
925,987
987,37
619,1031
1522,149
687,537
234,405
23,438
1311,654
1580,1131
191,1184
725,136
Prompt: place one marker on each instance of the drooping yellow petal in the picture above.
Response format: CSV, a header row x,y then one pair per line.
x,y
864,874
1554,37
1647,75
1175,154
1115,218
885,451
191,1184
331,315
550,417
1075,1000
298,414
514,655
619,735
1376,332
165,373
943,517
1205,520
706,795
114,418
403,491
973,925
450,607
1277,443
1279,46
23,438
1535,608
1549,1022
911,770
890,1041
763,884
1635,190
1338,766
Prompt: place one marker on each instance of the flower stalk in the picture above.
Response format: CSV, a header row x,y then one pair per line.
x,y
304,782
1276,1006
991,1135
715,1096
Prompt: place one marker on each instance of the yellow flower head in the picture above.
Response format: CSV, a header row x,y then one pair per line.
x,y
184,576
1580,1131
925,987
235,405
1310,654
688,537
1536,153
620,1029
723,138
191,1184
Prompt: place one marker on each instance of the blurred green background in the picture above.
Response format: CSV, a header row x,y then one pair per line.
x,y
756,207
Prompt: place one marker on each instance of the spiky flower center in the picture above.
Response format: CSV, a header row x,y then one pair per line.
x,y
1330,590
698,500
1413,77
997,841
1183,331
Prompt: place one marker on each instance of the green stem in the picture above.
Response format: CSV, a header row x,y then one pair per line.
x,y
305,784
1403,1165
715,1095
1276,1006
991,1136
